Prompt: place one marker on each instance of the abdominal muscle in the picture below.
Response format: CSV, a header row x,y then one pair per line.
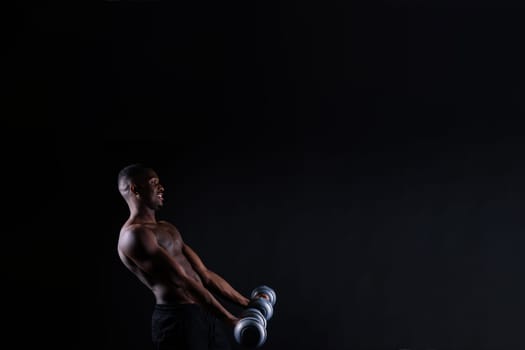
x,y
170,295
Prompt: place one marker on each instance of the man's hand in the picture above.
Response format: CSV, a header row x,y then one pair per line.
x,y
262,295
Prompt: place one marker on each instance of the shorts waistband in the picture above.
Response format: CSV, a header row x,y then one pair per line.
x,y
169,307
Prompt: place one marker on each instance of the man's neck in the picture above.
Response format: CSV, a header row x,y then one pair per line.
x,y
145,215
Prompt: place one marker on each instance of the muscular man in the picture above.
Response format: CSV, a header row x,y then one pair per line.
x,y
186,314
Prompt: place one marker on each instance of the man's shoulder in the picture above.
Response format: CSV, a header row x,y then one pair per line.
x,y
132,229
131,235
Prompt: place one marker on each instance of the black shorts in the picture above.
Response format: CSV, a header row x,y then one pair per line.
x,y
187,327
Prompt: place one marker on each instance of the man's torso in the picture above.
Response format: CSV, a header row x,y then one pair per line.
x,y
165,283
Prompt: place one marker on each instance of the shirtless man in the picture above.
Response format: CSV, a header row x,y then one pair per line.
x,y
186,314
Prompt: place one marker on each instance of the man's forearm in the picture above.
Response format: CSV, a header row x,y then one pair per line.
x,y
218,284
209,301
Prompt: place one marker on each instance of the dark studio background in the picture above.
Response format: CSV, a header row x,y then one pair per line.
x,y
365,159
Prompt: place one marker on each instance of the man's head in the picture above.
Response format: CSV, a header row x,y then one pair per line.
x,y
139,184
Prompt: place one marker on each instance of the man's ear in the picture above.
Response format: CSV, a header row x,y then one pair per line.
x,y
133,189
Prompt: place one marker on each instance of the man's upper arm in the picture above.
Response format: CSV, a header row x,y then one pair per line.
x,y
196,262
139,244
194,259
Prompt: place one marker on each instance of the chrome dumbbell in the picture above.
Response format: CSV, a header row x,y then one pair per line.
x,y
250,331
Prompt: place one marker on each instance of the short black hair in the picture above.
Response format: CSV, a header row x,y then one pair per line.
x,y
129,172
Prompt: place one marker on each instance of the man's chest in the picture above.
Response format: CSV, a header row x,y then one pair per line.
x,y
169,239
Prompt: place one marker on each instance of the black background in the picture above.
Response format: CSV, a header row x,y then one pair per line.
x,y
365,159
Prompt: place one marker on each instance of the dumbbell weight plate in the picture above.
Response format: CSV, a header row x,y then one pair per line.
x,y
249,332
253,312
263,305
265,290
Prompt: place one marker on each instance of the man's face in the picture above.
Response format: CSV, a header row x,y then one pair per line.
x,y
151,191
